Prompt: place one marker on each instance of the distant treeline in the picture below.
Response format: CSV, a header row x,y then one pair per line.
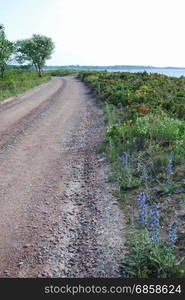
x,y
116,67
101,68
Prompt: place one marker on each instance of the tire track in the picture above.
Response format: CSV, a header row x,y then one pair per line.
x,y
58,216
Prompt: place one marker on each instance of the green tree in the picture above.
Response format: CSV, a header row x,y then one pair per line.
x,y
6,49
35,50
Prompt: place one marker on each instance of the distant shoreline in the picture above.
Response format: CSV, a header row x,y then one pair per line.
x,y
118,67
168,71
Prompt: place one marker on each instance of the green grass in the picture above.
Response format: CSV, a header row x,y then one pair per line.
x,y
16,82
145,130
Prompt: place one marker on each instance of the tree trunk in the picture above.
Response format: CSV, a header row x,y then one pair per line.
x,y
36,69
40,72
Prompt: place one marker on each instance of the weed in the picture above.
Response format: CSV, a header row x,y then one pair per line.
x,y
101,148
145,143
148,261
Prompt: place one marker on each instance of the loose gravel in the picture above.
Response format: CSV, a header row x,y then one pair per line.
x,y
59,217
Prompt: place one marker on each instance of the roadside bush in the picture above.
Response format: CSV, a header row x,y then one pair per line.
x,y
160,128
62,72
157,92
145,145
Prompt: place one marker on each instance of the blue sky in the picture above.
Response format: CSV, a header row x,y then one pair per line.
x,y
102,32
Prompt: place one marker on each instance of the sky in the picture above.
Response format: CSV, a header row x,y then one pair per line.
x,y
102,32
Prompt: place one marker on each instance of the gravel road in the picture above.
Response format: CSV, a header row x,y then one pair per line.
x,y
58,217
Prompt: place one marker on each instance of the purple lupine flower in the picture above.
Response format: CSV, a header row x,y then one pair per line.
x,y
142,210
154,224
169,169
172,234
124,160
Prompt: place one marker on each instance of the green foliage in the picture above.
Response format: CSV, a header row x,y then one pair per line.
x,y
166,189
6,49
157,92
35,50
145,144
153,130
148,261
18,81
160,160
101,148
64,72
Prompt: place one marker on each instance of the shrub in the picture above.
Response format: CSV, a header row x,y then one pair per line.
x,y
145,144
148,261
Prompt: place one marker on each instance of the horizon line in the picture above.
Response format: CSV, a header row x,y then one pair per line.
x,y
110,66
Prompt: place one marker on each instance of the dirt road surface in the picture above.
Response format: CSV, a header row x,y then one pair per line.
x,y
58,217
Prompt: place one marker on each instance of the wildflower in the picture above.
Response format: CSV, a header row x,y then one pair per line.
x,y
172,234
142,210
169,169
154,224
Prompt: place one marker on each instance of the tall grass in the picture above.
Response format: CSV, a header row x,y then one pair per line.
x,y
18,81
